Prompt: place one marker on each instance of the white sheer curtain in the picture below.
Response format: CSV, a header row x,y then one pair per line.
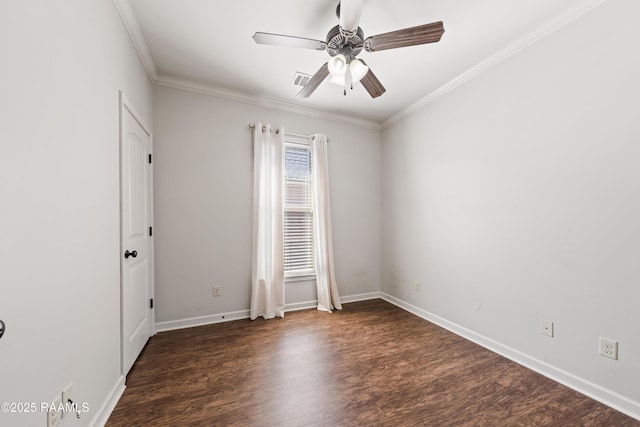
x,y
328,298
267,293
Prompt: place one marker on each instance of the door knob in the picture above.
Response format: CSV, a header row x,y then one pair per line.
x,y
128,254
2,328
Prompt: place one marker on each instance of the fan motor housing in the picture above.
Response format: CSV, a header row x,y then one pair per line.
x,y
349,46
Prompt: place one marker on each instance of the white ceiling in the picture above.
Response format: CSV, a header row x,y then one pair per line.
x,y
208,43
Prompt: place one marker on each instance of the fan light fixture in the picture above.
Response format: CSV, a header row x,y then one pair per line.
x,y
345,41
338,70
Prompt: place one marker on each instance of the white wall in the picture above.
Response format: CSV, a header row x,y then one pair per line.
x,y
62,66
514,198
203,215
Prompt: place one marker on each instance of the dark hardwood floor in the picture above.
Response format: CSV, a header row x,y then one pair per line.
x,y
371,364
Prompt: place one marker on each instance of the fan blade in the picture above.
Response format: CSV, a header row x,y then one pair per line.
x,y
372,84
289,41
350,11
315,81
428,33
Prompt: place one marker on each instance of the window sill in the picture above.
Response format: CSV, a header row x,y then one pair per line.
x,y
305,278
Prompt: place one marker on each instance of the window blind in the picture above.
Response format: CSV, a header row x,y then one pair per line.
x,y
298,211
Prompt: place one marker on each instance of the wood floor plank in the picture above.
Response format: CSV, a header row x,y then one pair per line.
x,y
370,364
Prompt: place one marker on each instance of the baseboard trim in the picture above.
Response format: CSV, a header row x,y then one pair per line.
x,y
592,390
297,306
201,320
305,305
244,314
360,297
109,404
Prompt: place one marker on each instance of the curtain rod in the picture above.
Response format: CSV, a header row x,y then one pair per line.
x,y
252,126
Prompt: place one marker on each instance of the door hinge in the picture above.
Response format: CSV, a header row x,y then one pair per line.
x,y
151,303
150,159
150,231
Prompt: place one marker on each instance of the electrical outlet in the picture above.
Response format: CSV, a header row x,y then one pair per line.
x,y
416,286
67,398
217,291
609,348
546,328
54,415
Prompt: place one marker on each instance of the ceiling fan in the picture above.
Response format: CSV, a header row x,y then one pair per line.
x,y
345,41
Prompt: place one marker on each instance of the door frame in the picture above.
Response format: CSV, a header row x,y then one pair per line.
x,y
125,105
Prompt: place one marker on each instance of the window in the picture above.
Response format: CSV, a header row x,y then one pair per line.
x,y
298,208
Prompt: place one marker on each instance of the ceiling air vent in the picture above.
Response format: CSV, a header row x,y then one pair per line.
x,y
300,79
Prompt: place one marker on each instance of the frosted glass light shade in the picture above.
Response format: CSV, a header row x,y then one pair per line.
x,y
338,65
358,69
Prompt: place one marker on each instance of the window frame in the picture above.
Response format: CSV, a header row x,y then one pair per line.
x,y
300,142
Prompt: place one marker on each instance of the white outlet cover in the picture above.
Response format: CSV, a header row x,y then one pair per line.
x,y
67,397
608,348
546,328
54,416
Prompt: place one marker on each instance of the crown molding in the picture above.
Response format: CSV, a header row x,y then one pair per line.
x,y
259,100
544,30
135,34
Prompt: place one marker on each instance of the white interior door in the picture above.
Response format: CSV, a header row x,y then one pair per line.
x,y
137,248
